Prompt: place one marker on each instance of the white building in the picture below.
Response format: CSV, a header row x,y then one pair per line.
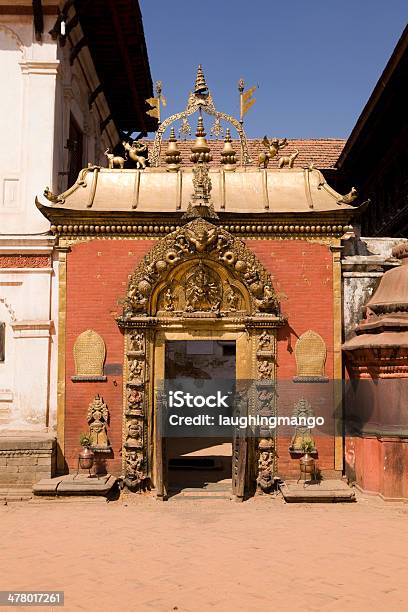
x,y
56,116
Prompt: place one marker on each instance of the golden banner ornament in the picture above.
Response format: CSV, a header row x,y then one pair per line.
x,y
247,106
247,100
247,94
155,111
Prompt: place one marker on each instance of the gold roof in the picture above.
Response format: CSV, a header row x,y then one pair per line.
x,y
118,194
155,190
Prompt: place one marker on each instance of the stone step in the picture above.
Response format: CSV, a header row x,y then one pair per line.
x,y
326,491
73,484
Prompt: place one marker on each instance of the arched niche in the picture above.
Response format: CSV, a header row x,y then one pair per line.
x,y
223,256
200,285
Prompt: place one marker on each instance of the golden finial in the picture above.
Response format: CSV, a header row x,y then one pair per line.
x,y
200,84
200,149
173,157
228,159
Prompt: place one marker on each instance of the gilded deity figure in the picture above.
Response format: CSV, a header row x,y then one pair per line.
x,y
231,297
98,416
168,301
202,293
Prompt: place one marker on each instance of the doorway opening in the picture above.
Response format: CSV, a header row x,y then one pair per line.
x,y
197,464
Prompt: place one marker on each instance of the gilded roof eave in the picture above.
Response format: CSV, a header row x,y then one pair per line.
x,y
101,193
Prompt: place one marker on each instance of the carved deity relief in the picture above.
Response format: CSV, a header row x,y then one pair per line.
x,y
265,369
168,300
264,341
136,371
98,417
202,290
136,342
134,405
266,464
134,474
134,452
134,437
232,297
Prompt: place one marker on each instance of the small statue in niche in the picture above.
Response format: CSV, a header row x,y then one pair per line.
x,y
231,297
136,371
265,369
168,300
134,434
98,417
136,341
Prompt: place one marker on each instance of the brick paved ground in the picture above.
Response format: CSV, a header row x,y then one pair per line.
x,y
208,554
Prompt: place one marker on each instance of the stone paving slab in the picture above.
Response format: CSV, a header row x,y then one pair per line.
x,y
15,494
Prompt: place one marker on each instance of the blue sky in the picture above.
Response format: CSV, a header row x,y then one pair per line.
x,y
315,62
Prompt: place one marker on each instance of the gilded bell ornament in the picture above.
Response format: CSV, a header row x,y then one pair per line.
x,y
228,158
200,149
173,157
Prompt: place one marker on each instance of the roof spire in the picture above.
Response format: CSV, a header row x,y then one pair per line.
x,y
200,84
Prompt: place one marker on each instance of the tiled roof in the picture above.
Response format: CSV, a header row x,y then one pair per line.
x,y
323,153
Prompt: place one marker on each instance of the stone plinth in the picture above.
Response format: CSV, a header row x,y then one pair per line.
x,y
327,491
26,458
75,484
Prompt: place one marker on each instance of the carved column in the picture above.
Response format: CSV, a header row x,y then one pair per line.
x,y
135,468
265,399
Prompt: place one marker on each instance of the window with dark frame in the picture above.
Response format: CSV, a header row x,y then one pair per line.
x,y
2,342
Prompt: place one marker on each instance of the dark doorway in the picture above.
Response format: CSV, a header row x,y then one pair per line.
x,y
202,463
75,148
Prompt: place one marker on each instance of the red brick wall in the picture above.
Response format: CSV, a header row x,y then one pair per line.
x,y
97,276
